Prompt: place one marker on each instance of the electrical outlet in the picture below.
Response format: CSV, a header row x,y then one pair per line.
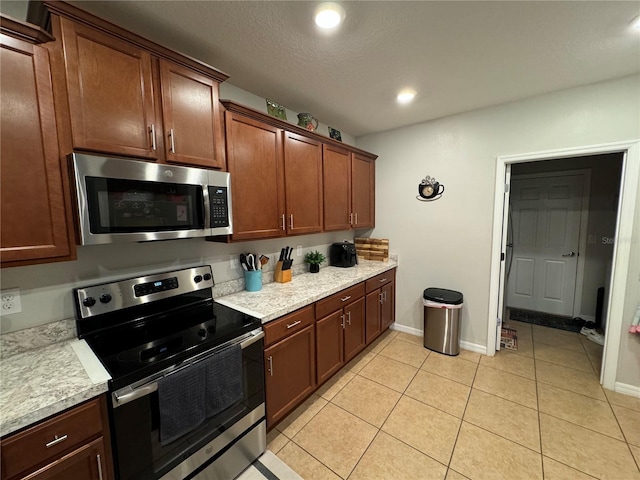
x,y
233,262
10,301
299,250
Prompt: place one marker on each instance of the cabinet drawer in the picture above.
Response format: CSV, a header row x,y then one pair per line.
x,y
288,325
339,300
49,439
380,280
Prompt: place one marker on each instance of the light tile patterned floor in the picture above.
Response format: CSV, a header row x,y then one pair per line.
x,y
399,411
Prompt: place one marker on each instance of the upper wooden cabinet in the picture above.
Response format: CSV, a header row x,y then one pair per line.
x,y
349,189
316,174
254,157
34,223
125,95
193,131
303,184
336,177
110,91
363,181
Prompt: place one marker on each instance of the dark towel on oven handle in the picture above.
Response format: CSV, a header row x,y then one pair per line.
x,y
181,400
224,379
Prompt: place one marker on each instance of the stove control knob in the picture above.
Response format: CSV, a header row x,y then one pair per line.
x,y
202,332
89,302
207,276
105,298
197,278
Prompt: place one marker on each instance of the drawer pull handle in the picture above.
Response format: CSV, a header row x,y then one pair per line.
x,y
294,324
383,280
99,467
356,218
270,360
56,441
381,297
344,299
351,219
342,322
291,221
349,317
283,223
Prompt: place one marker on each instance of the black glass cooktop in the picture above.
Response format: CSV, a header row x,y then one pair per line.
x,y
142,346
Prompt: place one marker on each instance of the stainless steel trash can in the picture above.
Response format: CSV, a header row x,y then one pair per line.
x,y
442,309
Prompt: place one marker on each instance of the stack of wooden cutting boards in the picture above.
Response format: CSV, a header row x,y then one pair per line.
x,y
373,248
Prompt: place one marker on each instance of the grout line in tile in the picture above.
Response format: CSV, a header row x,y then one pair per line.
x,y
504,399
562,463
511,373
318,460
571,391
414,448
455,442
585,427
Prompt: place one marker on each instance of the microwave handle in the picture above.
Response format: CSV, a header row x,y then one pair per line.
x,y
129,395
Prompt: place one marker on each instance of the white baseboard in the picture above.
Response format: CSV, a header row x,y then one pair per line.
x,y
473,347
627,389
409,330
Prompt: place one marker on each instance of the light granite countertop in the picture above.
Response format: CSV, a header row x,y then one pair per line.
x,y
42,382
44,372
278,299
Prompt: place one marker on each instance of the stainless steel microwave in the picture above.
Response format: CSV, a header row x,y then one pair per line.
x,y
121,200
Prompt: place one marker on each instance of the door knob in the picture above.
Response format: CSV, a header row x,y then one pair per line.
x,y
570,254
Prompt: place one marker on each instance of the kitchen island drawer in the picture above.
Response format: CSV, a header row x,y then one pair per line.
x,y
338,300
380,280
50,439
288,325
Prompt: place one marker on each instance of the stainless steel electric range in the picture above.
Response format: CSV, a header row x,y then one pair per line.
x,y
147,329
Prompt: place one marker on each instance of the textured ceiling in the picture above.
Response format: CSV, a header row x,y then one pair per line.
x,y
458,55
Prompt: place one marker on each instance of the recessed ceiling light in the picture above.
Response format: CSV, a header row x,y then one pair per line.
x,y
635,24
406,96
329,15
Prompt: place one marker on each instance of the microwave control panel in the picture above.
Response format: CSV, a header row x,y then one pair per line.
x,y
219,206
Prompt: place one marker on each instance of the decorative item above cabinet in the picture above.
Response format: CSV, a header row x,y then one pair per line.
x,y
121,94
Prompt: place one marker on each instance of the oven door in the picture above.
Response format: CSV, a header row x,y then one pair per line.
x,y
135,422
125,201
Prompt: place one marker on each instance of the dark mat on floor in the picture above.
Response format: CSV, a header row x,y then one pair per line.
x,y
547,320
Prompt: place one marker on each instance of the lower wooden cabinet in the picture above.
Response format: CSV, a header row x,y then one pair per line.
x,y
85,463
340,335
71,445
303,350
290,363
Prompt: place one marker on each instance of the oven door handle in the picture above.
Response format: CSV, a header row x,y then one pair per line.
x,y
128,394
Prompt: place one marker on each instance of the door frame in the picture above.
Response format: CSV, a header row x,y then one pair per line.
x,y
621,249
584,223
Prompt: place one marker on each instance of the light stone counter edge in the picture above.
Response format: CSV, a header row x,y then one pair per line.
x,y
278,299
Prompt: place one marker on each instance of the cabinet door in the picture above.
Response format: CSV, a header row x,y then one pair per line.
x,y
110,89
388,311
290,373
354,332
87,463
193,128
336,184
372,311
303,180
34,223
363,184
254,159
330,347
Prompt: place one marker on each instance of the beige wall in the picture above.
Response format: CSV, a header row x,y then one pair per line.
x,y
15,9
447,243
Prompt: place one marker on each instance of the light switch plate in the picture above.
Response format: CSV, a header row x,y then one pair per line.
x,y
299,250
10,301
